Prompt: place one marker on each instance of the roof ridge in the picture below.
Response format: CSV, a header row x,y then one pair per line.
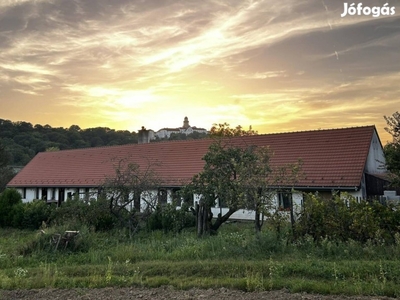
x,y
124,145
314,130
196,140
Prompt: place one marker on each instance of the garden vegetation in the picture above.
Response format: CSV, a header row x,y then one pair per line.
x,y
337,246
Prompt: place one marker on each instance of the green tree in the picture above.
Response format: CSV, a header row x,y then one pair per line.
x,y
177,136
392,156
196,135
6,173
226,180
280,179
392,149
393,126
9,201
237,175
234,176
224,130
131,193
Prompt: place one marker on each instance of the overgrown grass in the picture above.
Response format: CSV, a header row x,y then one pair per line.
x,y
235,258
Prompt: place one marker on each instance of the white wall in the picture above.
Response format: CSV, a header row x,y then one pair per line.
x,y
153,196
30,194
165,133
245,214
376,158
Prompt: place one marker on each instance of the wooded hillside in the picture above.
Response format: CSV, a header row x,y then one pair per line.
x,y
22,140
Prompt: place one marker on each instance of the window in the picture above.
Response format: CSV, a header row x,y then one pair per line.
x,y
284,200
44,194
176,197
162,197
61,195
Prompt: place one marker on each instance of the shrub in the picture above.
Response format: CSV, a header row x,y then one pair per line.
x,y
342,218
35,213
92,213
99,215
9,201
168,218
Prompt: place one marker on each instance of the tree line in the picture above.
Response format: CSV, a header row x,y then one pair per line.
x,y
392,149
22,140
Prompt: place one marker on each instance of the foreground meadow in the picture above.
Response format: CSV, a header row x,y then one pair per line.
x,y
234,259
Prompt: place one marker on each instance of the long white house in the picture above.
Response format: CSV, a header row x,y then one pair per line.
x,y
345,160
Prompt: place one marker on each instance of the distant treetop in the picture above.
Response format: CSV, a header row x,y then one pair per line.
x,y
224,130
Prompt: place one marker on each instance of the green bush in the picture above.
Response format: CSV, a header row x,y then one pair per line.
x,y
168,218
99,215
342,218
14,213
10,200
35,213
92,213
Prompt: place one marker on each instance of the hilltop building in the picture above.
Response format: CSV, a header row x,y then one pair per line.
x,y
185,129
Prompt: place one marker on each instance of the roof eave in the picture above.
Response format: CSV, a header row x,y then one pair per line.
x,y
326,188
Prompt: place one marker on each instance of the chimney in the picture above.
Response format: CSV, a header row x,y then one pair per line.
x,y
143,136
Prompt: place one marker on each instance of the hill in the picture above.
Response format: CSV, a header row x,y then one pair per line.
x,y
22,140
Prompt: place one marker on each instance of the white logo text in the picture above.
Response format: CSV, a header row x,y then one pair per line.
x,y
375,11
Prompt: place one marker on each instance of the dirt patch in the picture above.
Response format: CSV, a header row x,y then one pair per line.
x,y
163,293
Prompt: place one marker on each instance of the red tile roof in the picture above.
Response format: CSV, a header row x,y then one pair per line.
x,y
331,158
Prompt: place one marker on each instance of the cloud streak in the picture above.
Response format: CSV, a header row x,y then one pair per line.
x,y
130,63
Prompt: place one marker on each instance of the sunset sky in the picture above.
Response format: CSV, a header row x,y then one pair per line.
x,y
282,65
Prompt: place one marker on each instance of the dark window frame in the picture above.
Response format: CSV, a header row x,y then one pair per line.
x,y
285,200
44,194
162,198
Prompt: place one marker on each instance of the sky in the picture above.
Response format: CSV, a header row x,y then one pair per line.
x,y
282,65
